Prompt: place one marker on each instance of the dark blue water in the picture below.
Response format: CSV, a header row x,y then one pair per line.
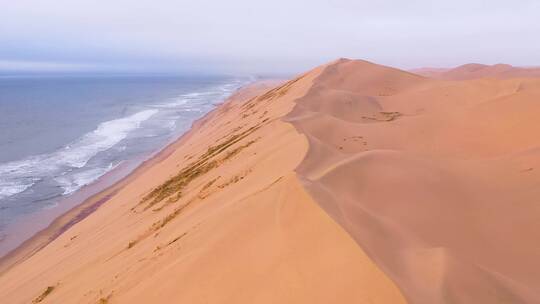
x,y
58,134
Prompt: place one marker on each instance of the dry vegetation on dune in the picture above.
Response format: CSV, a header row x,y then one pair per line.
x,y
383,116
105,300
172,188
44,294
269,95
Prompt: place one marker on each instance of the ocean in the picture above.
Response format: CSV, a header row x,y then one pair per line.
x,y
60,134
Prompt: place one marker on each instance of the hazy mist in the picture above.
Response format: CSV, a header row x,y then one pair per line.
x,y
278,36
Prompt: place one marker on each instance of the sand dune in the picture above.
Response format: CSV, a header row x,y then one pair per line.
x,y
353,183
439,188
429,72
475,71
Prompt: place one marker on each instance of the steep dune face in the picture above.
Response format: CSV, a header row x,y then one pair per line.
x,y
437,181
220,218
475,71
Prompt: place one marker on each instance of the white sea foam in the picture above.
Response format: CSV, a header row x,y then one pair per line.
x,y
9,188
17,176
171,125
103,138
68,165
72,182
177,102
198,94
50,206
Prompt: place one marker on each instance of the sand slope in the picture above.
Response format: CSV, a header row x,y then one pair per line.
x,y
437,181
220,218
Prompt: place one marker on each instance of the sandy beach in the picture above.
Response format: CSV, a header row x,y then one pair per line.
x,y
351,183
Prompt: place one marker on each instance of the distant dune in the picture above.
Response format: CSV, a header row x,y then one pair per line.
x,y
352,183
430,72
475,70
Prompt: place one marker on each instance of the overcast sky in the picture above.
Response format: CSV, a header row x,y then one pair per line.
x,y
272,36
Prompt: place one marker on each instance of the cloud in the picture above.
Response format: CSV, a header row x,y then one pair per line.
x,y
268,36
43,66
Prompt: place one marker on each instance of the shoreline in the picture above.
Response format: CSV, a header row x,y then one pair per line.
x,y
82,208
